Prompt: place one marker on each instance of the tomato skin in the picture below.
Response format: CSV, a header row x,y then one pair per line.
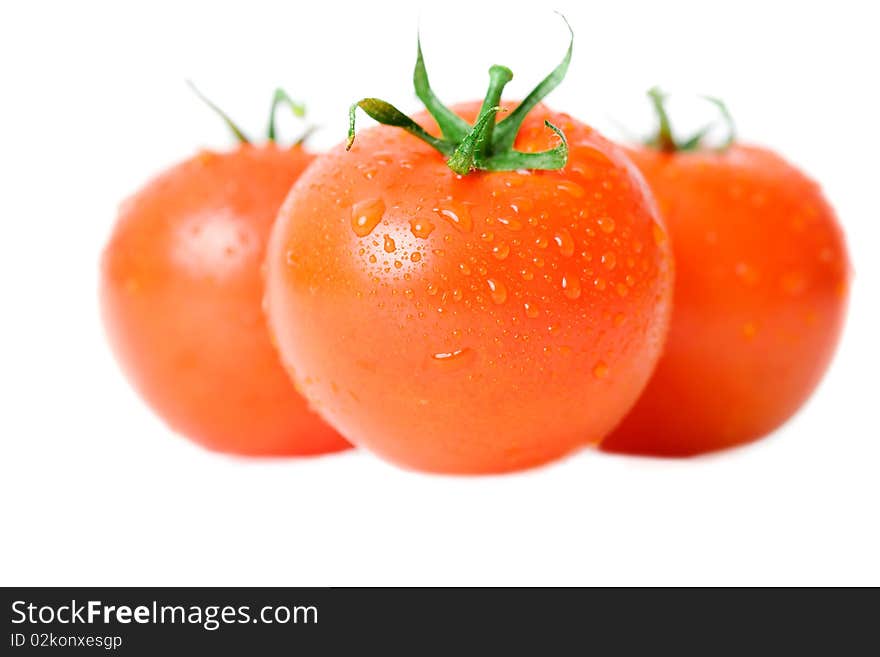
x,y
181,294
424,315
762,276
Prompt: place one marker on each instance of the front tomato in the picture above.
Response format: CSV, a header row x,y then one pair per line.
x,y
482,321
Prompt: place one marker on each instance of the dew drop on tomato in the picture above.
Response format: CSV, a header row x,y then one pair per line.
x,y
366,215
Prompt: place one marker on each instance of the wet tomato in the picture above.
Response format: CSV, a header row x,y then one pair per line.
x,y
481,321
760,296
181,293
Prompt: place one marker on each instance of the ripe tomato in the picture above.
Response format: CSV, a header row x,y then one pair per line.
x,y
181,294
760,296
469,323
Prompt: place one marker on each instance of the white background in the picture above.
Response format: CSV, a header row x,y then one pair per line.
x,y
95,490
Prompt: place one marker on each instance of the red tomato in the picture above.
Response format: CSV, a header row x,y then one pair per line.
x,y
760,296
181,294
470,323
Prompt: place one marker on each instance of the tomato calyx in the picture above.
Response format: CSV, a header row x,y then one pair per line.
x,y
279,97
664,139
486,145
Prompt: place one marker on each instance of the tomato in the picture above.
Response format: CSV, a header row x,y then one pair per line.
x,y
485,321
181,296
760,296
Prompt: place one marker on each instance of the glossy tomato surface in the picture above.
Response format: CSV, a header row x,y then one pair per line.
x,y
760,297
181,293
470,324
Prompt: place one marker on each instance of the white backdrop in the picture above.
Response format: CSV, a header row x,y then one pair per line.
x,y
95,490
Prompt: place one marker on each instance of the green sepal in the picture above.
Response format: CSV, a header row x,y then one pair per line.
x,y
233,127
549,160
664,139
388,114
453,127
296,108
693,142
507,129
727,117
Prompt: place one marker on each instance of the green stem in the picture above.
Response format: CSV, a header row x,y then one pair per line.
x,y
499,76
486,145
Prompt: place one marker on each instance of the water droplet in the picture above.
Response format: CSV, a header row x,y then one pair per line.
x,y
488,236
464,269
527,274
292,258
606,224
571,188
366,215
453,359
521,204
609,260
383,157
501,250
457,215
599,284
432,289
421,228
571,286
457,294
564,241
389,246
600,369
497,290
372,259
530,309
415,256
542,242
408,293
398,264
511,223
630,280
